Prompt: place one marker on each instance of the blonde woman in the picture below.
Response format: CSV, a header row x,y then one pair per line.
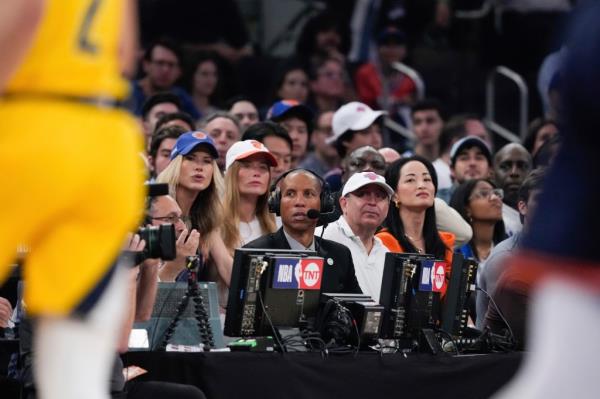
x,y
247,180
196,184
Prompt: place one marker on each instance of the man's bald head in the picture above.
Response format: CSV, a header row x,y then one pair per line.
x,y
512,164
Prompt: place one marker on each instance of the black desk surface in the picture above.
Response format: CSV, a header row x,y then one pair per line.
x,y
308,375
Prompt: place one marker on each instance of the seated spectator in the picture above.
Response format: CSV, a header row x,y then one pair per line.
x,y
196,184
479,202
277,141
295,194
364,203
356,125
297,119
410,225
162,68
323,35
512,164
379,84
247,180
490,270
291,83
470,158
204,82
165,210
224,129
327,84
455,129
156,107
161,146
324,156
180,119
427,123
540,131
245,112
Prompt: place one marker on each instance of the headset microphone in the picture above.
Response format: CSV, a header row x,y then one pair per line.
x,y
313,214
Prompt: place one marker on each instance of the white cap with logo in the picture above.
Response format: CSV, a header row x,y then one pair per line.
x,y
352,116
362,179
246,148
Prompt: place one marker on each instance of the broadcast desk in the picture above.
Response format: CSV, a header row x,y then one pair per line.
x,y
308,375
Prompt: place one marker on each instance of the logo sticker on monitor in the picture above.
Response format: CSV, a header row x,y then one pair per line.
x,y
285,273
433,276
296,273
311,274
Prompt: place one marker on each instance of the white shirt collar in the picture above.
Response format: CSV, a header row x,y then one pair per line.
x,y
296,245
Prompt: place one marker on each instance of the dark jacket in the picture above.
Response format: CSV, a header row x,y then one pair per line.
x,y
338,275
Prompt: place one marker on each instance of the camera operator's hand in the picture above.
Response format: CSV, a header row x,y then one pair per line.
x,y
134,243
186,245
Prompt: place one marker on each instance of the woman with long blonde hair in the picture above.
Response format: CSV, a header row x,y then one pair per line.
x,y
196,184
247,180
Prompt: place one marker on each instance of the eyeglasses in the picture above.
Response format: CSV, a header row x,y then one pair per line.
x,y
487,194
172,219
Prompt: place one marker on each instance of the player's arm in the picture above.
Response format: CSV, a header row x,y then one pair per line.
x,y
19,20
129,39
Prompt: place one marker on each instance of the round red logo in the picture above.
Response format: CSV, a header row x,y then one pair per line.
x,y
199,135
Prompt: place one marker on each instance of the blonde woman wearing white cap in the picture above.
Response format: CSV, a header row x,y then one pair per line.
x,y
247,177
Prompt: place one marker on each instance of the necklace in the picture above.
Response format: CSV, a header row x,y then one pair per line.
x,y
414,241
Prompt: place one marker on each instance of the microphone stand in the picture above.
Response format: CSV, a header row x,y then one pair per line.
x,y
200,313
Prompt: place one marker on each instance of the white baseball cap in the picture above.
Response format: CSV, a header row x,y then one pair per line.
x,y
352,116
362,179
244,149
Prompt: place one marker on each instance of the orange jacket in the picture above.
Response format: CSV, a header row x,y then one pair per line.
x,y
394,246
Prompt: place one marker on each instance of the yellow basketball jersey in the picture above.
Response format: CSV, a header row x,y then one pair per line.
x,y
75,51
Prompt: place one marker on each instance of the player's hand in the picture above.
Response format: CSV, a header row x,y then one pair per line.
x,y
187,245
6,312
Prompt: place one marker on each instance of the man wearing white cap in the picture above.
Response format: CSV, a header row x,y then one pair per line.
x,y
355,125
364,202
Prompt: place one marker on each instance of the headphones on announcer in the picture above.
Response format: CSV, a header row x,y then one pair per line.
x,y
327,200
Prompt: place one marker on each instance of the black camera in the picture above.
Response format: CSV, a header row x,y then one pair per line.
x,y
160,243
160,240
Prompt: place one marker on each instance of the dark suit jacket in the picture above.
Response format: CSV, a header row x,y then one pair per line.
x,y
338,275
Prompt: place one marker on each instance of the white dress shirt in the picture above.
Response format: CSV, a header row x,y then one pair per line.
x,y
368,266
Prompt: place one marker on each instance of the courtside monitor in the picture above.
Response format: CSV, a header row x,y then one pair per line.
x,y
410,294
271,289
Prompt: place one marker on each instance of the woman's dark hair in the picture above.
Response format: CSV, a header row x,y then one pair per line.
x,y
261,130
325,21
198,58
287,66
460,200
534,128
433,243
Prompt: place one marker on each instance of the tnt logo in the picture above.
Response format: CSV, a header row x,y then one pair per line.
x,y
199,135
439,276
311,274
433,276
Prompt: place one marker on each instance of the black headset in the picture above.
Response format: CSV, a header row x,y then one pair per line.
x,y
327,200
